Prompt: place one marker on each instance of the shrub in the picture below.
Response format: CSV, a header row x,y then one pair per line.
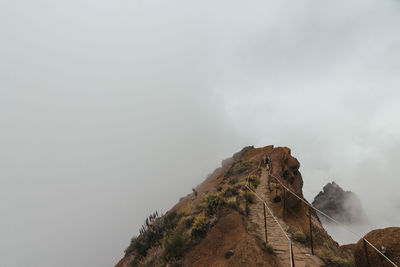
x,y
251,198
254,180
233,181
219,188
233,205
200,226
231,191
244,166
151,233
269,248
213,203
189,221
175,245
251,186
300,237
238,168
334,261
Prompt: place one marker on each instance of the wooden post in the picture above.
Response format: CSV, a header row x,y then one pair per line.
x,y
292,255
284,204
311,240
366,253
247,204
265,224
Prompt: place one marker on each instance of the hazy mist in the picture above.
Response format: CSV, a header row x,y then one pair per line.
x,y
110,110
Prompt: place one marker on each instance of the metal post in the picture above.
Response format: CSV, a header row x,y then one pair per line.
x,y
311,240
366,253
291,254
265,224
284,204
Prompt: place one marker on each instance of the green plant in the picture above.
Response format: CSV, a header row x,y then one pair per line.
x,y
300,237
251,186
254,180
269,248
250,197
151,234
175,245
219,188
213,203
200,226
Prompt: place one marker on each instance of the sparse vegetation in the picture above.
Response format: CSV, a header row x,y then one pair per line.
x,y
251,186
213,203
254,180
269,248
231,191
200,226
251,198
151,234
238,168
233,181
189,221
175,245
233,204
333,260
300,237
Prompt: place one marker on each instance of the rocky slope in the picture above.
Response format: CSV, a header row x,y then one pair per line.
x,y
386,240
213,226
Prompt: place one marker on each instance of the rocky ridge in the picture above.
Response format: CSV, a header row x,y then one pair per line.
x,y
343,206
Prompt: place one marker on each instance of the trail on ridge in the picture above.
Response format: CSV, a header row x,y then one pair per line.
x,y
276,237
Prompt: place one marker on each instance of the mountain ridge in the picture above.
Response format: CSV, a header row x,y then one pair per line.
x,y
185,235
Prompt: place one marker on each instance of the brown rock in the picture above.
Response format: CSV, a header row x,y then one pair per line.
x,y
387,237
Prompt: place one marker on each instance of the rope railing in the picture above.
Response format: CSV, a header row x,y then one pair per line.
x,y
337,222
273,217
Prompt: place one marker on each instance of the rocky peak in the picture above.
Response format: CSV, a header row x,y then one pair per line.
x,y
344,206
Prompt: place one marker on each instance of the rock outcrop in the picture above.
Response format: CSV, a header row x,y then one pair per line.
x,y
387,240
344,206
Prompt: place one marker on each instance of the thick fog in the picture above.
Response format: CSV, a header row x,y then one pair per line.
x,y
110,110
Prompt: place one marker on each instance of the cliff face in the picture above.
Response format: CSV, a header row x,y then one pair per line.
x,y
341,205
210,226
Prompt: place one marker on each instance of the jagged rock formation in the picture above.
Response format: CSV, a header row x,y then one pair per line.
x,y
389,238
344,206
211,227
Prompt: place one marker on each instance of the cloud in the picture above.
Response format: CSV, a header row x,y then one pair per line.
x,y
111,110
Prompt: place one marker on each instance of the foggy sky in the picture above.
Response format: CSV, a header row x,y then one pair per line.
x,y
110,110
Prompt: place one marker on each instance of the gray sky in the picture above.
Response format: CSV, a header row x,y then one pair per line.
x,y
110,110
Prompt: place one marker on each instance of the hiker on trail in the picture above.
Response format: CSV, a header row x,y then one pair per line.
x,y
383,250
267,161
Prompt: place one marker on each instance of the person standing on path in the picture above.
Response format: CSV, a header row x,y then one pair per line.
x,y
267,161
